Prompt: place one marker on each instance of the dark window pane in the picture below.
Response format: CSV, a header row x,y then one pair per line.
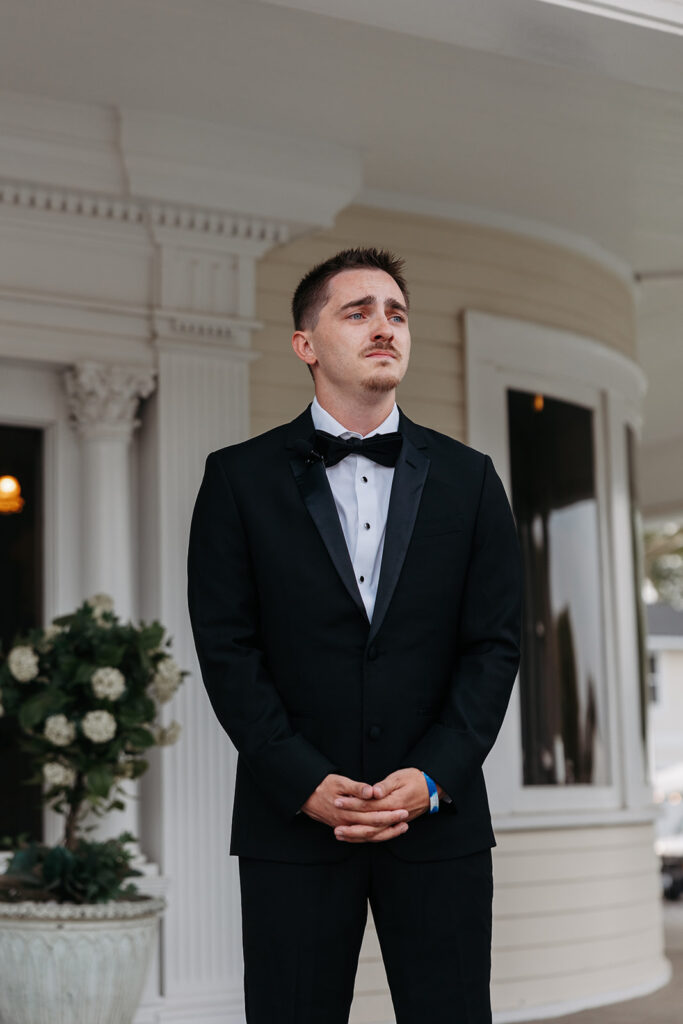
x,y
562,676
647,688
21,557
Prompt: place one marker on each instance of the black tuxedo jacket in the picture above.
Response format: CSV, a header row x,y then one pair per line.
x,y
305,685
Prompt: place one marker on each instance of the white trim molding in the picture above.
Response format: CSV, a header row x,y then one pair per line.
x,y
663,15
465,213
658,980
120,157
503,352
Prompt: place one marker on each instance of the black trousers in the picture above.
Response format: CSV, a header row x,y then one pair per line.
x,y
302,926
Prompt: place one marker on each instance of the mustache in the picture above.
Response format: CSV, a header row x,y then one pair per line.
x,y
383,348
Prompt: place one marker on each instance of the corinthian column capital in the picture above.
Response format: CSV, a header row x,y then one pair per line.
x,y
103,397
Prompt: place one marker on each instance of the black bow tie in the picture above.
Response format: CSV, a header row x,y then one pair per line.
x,y
381,448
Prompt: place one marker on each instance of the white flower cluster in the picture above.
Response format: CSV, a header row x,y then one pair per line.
x,y
168,735
59,730
50,632
101,603
108,683
56,774
23,663
99,726
166,680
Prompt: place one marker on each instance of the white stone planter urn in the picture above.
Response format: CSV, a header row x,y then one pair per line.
x,y
71,963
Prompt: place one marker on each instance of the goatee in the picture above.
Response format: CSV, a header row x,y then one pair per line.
x,y
381,384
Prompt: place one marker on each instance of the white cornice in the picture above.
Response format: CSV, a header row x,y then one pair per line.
x,y
191,220
303,182
211,177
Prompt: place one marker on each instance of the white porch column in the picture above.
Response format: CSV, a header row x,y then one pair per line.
x,y
102,401
203,322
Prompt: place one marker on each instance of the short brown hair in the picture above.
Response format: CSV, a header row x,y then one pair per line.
x,y
311,293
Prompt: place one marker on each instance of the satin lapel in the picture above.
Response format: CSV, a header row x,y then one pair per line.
x,y
406,490
317,494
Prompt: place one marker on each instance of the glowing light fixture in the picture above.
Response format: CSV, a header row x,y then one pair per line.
x,y
538,403
10,495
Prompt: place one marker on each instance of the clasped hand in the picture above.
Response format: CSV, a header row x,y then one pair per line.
x,y
361,813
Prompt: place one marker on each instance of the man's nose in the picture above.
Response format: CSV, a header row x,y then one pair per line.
x,y
383,329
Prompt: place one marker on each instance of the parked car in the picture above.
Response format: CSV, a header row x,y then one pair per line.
x,y
670,852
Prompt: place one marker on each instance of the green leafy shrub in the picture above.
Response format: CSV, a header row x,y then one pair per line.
x,y
93,872
87,693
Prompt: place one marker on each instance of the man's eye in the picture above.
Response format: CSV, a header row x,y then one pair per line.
x,y
355,314
397,316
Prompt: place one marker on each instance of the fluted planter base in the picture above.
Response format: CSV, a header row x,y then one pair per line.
x,y
66,963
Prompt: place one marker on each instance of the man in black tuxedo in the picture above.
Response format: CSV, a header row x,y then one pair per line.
x,y
355,603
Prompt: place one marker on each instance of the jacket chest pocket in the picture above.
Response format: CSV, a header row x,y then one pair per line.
x,y
437,526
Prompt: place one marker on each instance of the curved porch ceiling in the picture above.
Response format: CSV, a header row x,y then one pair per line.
x,y
565,114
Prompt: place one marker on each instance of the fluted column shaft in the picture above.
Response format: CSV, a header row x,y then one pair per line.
x,y
103,401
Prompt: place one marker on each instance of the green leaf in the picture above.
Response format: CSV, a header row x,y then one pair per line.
x,y
83,672
24,861
136,710
151,636
57,865
138,768
99,780
111,654
64,620
139,737
36,709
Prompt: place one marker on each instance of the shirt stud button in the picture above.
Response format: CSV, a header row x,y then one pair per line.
x,y
362,579
364,479
366,526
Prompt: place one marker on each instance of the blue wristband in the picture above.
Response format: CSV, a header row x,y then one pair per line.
x,y
433,794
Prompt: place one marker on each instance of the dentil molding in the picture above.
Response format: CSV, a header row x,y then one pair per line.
x,y
217,336
190,221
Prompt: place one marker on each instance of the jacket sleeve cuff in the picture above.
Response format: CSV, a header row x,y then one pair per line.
x,y
449,756
288,771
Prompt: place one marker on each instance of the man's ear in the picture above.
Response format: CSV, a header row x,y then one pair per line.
x,y
303,348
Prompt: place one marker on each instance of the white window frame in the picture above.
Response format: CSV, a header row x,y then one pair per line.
x,y
502,353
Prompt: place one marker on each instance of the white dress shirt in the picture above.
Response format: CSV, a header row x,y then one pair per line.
x,y
361,489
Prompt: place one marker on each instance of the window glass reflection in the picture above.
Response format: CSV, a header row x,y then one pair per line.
x,y
562,675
